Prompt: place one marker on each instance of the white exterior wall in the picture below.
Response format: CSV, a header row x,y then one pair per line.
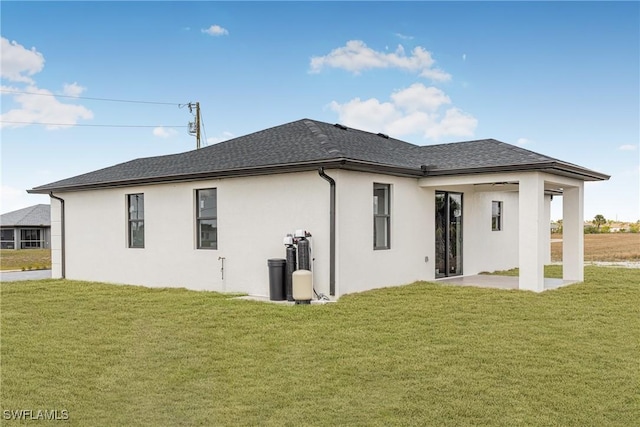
x,y
254,214
359,266
486,250
56,240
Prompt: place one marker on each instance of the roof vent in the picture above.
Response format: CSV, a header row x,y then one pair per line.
x,y
383,135
339,126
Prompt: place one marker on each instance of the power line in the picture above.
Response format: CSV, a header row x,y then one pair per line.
x,y
204,130
86,97
92,125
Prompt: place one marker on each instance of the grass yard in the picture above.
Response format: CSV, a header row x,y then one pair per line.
x,y
604,247
25,259
422,354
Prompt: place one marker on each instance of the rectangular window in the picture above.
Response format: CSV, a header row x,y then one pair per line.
x,y
30,238
135,204
381,216
207,218
7,238
496,216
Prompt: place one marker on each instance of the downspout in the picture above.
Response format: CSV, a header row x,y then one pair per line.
x,y
62,233
332,231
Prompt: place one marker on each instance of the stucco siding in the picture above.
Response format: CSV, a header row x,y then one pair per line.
x,y
56,240
484,248
254,214
359,266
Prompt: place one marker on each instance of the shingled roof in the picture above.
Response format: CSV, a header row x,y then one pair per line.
x,y
308,144
33,216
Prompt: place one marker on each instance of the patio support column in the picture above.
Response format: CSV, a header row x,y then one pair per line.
x,y
573,233
547,220
532,229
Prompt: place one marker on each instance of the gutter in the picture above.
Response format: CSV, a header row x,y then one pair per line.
x,y
332,230
340,163
62,233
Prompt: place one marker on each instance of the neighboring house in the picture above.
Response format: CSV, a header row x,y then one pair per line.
x,y
618,227
382,212
27,228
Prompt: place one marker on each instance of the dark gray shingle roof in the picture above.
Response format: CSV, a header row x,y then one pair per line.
x,y
37,215
308,144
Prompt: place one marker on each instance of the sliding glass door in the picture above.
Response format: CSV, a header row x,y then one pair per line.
x,y
448,234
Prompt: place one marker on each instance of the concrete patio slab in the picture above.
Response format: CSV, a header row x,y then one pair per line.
x,y
499,282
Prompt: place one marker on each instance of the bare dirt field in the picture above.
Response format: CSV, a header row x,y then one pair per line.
x,y
604,247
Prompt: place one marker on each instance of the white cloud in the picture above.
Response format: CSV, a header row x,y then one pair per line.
x,y
42,108
215,30
413,110
18,63
522,141
163,132
418,97
223,137
628,147
464,56
356,56
403,36
73,89
35,105
455,123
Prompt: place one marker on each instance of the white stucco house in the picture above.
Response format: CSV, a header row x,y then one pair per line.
x,y
381,211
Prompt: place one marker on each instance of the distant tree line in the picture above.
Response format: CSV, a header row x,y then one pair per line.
x,y
600,224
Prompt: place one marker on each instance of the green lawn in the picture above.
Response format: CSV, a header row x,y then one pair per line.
x,y
25,259
422,354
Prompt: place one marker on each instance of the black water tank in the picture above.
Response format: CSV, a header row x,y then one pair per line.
x,y
304,255
291,267
276,279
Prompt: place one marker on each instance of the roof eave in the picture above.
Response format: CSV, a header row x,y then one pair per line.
x,y
562,169
340,163
566,170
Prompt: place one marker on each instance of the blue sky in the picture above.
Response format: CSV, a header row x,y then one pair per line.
x,y
560,78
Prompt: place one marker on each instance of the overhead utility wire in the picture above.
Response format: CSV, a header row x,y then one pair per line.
x,y
204,131
91,125
86,97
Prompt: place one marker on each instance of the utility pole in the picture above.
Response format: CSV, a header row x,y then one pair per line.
x,y
194,127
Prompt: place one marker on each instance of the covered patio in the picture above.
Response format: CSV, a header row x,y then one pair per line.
x,y
531,242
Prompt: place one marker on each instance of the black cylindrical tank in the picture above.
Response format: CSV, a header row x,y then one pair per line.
x,y
291,267
276,279
304,254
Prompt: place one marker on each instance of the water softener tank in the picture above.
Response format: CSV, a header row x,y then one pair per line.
x,y
291,267
302,287
304,254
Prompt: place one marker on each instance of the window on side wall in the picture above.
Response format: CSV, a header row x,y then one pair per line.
x,y
207,218
381,216
496,216
135,206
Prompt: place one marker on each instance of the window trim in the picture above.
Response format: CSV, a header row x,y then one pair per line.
x,y
203,218
387,216
497,219
130,243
